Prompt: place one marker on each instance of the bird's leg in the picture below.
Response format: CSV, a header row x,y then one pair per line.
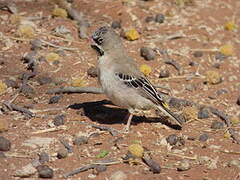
x,y
129,119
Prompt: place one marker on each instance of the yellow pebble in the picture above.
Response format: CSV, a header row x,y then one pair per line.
x,y
15,19
3,87
59,12
213,77
136,150
230,26
50,57
190,113
145,69
78,82
132,35
227,50
25,31
235,120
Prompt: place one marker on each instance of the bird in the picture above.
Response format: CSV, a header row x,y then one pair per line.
x,y
122,81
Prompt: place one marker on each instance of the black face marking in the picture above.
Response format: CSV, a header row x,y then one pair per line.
x,y
98,35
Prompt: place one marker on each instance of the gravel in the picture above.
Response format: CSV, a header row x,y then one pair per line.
x,y
45,171
5,144
217,125
203,137
203,113
59,120
148,53
159,18
79,140
54,99
62,153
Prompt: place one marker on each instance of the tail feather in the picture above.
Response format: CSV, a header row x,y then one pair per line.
x,y
170,114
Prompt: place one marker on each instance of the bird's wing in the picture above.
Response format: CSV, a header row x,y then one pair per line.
x,y
143,85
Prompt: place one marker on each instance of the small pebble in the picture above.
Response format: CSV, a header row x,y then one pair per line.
x,y
92,72
44,80
59,120
172,139
116,24
159,18
2,155
44,171
216,65
221,91
26,89
217,125
62,153
36,44
219,56
203,113
54,99
198,54
203,137
190,87
100,168
154,166
11,83
118,175
43,157
80,140
164,74
184,165
193,63
3,125
147,53
5,144
238,101
149,19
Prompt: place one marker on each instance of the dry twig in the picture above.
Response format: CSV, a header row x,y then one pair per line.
x,y
93,90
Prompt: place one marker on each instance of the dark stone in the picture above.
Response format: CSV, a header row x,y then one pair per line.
x,y
159,18
54,99
147,53
43,157
44,80
216,65
149,19
219,56
221,91
217,125
100,168
172,139
92,72
26,89
11,83
198,54
203,113
193,63
36,44
44,171
164,74
238,101
80,140
5,144
116,24
62,153
203,137
59,120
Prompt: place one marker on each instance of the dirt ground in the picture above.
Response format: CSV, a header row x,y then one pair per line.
x,y
194,33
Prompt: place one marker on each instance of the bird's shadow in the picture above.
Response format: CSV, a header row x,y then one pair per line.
x,y
101,112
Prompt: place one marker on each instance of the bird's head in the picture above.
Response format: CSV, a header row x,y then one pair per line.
x,y
105,39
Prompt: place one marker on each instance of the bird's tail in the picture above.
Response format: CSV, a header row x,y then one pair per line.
x,y
163,108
